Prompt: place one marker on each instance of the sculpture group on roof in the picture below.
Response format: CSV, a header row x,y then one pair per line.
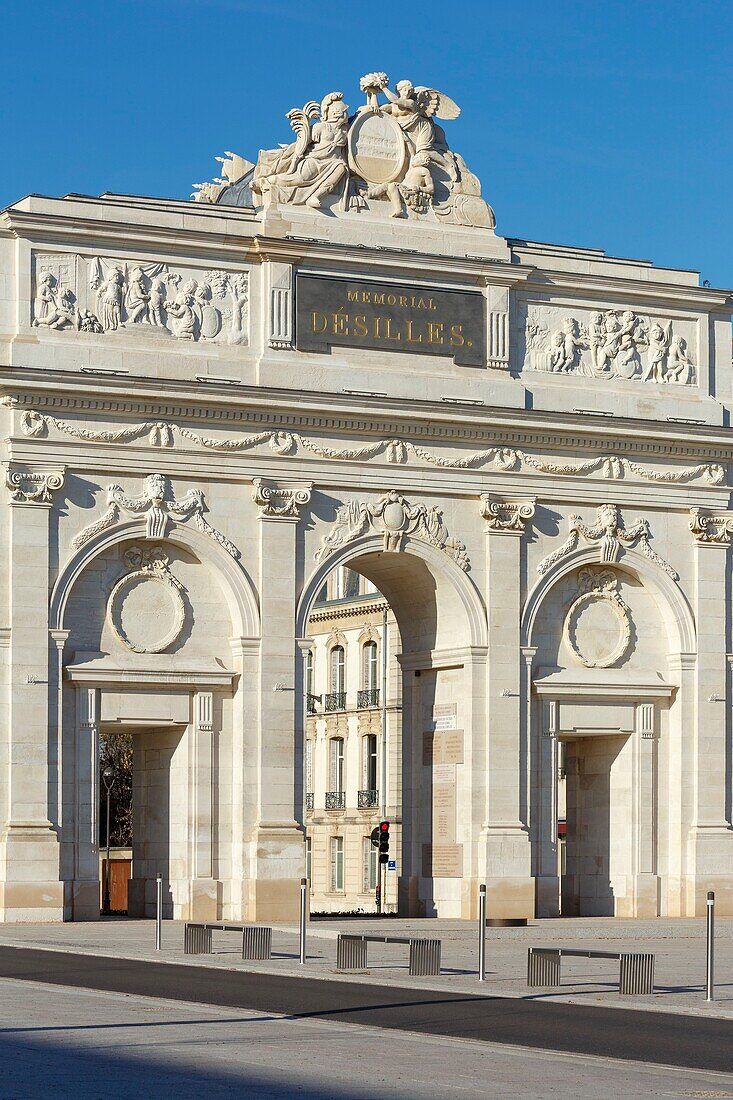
x,y
393,152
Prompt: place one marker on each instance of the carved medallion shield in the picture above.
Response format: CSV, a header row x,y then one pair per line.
x,y
377,148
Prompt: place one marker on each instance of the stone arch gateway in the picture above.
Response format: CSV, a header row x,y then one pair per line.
x,y
330,357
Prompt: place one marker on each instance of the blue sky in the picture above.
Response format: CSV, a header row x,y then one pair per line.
x,y
607,124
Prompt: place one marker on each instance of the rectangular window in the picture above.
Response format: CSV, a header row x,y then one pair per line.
x,y
309,767
370,762
337,863
308,862
370,865
371,670
338,669
336,746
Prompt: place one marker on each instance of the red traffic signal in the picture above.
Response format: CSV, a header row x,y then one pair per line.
x,y
383,839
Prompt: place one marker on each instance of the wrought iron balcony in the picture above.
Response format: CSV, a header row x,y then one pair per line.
x,y
310,703
309,801
335,800
367,800
369,697
335,700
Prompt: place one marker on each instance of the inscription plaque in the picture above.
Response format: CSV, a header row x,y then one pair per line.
x,y
390,317
442,860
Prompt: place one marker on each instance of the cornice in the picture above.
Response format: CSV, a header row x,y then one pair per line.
x,y
71,392
584,285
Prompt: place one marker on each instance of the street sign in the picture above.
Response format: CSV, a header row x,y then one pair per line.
x,y
392,865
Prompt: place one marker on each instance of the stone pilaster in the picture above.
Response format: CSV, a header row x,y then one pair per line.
x,y
277,859
203,889
548,880
85,899
710,851
30,886
509,881
646,880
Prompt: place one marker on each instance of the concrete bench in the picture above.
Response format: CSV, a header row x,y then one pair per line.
x,y
351,952
636,972
256,940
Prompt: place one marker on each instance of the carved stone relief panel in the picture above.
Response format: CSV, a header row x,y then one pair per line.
x,y
97,294
610,344
597,628
146,607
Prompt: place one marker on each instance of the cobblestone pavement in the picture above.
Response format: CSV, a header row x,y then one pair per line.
x,y
82,1045
679,947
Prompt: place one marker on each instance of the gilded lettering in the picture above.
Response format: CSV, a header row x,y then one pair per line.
x,y
340,323
388,334
318,319
421,303
378,299
435,332
403,300
431,304
352,295
456,336
391,299
412,339
360,325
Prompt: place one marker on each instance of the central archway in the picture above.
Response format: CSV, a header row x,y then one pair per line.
x,y
433,763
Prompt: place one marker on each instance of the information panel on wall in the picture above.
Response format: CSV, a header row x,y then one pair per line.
x,y
390,317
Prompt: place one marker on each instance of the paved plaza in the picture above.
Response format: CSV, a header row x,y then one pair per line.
x,y
678,946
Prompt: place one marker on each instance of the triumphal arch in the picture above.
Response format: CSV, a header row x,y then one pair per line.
x,y
330,357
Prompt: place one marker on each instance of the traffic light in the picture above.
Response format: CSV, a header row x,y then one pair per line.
x,y
383,841
374,836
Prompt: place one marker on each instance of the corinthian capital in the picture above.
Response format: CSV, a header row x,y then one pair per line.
x,y
32,486
277,500
508,516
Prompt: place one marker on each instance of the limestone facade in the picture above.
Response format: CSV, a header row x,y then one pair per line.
x,y
353,768
334,360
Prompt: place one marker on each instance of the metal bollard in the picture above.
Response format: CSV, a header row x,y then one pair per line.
x,y
711,947
303,913
482,933
158,911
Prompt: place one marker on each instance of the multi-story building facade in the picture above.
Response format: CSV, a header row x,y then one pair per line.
x,y
334,360
353,765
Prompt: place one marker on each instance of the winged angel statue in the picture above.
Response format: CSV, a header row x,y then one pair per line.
x,y
394,151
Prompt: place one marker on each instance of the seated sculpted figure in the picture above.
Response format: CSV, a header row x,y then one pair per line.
x,y
314,164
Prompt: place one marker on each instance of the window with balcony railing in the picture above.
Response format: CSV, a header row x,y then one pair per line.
x,y
367,697
335,800
310,703
367,800
334,700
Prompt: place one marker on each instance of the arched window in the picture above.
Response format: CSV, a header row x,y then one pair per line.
x,y
338,669
370,671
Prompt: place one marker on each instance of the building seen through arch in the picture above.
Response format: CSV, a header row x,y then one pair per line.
x,y
234,427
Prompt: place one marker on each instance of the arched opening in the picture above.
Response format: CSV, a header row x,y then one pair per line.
x,y
389,642
607,641
149,685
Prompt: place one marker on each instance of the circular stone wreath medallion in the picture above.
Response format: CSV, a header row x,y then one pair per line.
x,y
598,629
146,610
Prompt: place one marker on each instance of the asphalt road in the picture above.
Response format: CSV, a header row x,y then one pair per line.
x,y
655,1037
